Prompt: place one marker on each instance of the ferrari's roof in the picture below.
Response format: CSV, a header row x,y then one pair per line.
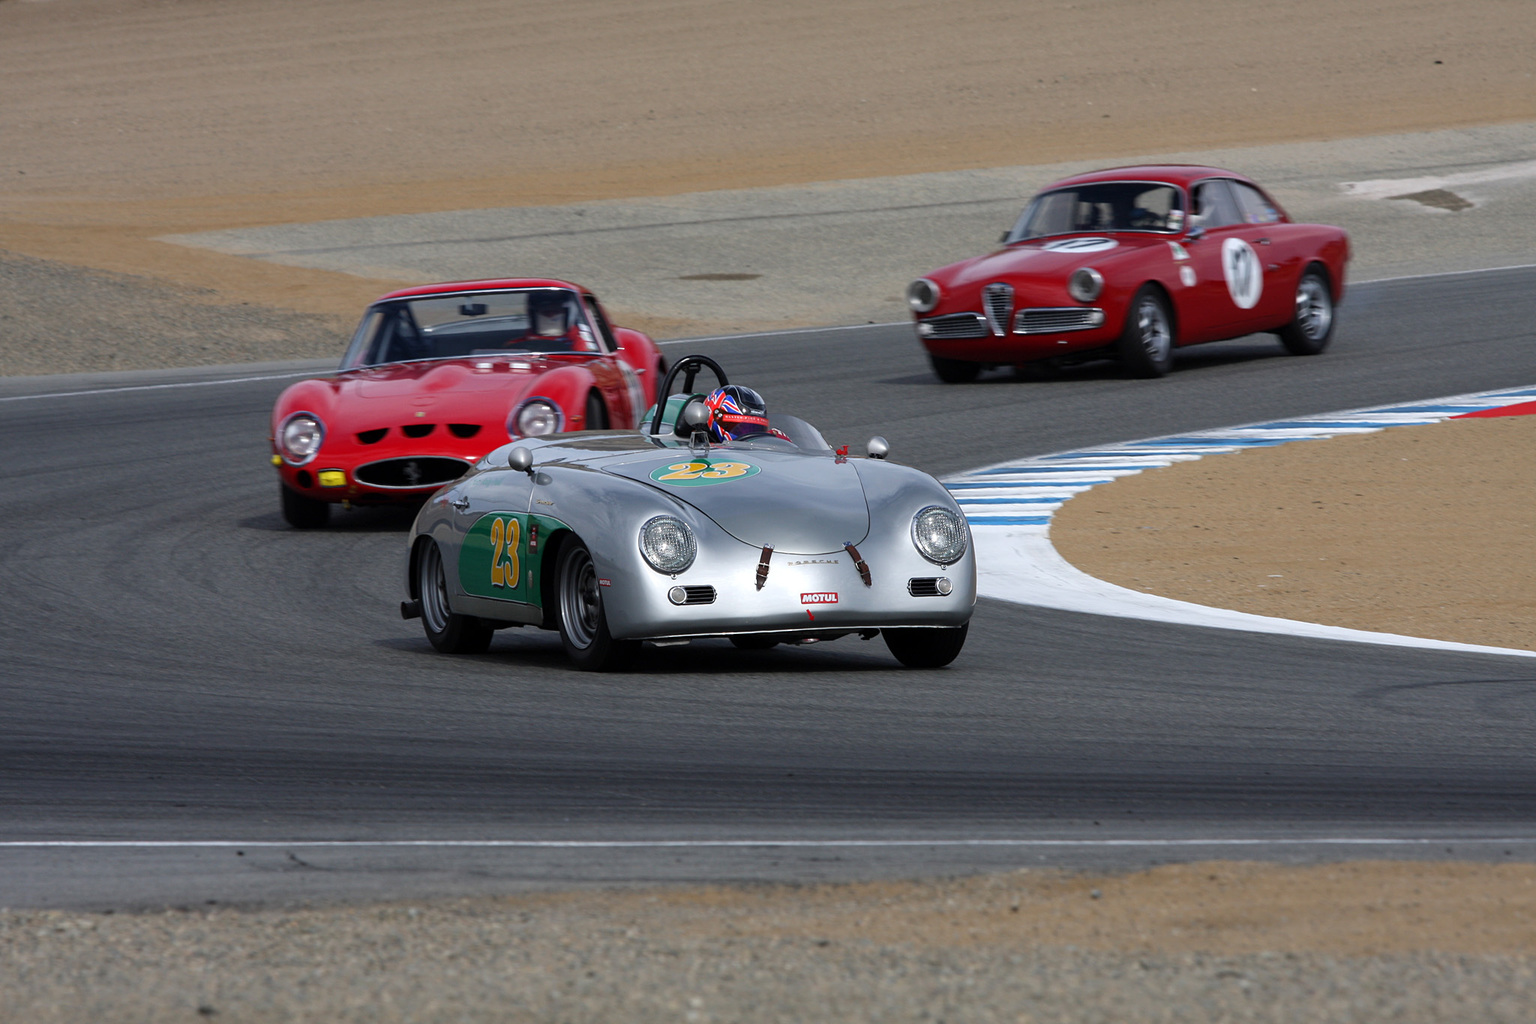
x,y
1174,174
489,285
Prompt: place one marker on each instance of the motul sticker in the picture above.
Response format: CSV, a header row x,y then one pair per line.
x,y
821,597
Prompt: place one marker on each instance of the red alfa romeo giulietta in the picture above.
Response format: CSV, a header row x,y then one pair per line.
x,y
1131,263
439,375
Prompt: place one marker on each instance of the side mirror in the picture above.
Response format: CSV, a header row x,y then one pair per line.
x,y
1196,228
877,447
520,459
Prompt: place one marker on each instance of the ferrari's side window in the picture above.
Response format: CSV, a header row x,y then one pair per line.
x,y
1256,208
1214,204
601,319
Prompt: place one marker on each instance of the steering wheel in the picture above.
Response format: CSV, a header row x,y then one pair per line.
x,y
689,367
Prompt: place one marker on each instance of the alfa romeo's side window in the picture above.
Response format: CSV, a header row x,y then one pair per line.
x,y
1214,204
1255,207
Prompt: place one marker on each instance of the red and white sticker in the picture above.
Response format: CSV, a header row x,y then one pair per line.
x,y
819,597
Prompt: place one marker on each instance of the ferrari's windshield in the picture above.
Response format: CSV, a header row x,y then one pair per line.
x,y
469,324
1102,206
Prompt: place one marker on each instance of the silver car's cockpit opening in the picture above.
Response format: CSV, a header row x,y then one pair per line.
x,y
1102,206
532,321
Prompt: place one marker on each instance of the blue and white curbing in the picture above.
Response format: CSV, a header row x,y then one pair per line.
x,y
1010,508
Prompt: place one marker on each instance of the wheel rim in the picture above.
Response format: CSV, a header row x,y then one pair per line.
x,y
433,584
581,607
1152,324
1314,308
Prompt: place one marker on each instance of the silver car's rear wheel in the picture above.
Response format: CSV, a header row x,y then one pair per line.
x,y
448,632
583,626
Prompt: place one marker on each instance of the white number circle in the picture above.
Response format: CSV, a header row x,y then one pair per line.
x,y
1240,265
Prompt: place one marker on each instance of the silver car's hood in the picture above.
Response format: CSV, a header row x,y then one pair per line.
x,y
801,504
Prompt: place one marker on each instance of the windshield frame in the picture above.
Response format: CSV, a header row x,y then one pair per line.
x,y
1016,235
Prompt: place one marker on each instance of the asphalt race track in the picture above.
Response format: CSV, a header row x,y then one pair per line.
x,y
179,668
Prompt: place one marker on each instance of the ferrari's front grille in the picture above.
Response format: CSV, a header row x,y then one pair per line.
x,y
1057,321
417,429
955,325
371,436
998,298
699,595
407,474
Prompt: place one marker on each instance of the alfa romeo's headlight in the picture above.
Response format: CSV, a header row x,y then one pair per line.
x,y
1085,284
299,437
535,418
667,544
922,295
939,535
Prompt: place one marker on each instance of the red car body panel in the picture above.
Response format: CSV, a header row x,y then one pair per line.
x,y
387,425
1186,263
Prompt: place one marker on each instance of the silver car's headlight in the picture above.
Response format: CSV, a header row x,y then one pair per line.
x,y
1085,284
300,437
922,295
667,544
535,418
939,535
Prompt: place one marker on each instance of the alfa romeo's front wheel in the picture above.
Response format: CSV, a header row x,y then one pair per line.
x,y
954,371
448,631
583,626
1146,344
926,648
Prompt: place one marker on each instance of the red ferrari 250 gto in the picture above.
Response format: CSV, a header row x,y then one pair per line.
x,y
439,375
1132,263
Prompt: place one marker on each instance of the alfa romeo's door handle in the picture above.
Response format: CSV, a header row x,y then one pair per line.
x,y
461,503
1263,241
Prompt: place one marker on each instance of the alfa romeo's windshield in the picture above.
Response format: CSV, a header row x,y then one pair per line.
x,y
1102,206
469,324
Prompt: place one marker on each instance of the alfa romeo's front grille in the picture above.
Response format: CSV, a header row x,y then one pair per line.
x,y
1057,321
998,298
699,595
407,474
955,325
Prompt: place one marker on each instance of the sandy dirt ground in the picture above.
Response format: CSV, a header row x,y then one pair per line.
x,y
124,120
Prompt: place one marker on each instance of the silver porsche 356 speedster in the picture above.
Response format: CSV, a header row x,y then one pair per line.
x,y
712,520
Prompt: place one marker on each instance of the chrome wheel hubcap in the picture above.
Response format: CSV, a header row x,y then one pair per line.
x,y
1314,308
1152,323
581,606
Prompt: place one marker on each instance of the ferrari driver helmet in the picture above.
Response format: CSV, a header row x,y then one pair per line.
x,y
548,311
734,412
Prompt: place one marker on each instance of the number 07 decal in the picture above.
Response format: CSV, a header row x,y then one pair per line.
x,y
700,472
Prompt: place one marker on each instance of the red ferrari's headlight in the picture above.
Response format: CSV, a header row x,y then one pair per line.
x,y
300,437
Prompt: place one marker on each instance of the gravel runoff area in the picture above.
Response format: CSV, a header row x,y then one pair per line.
x,y
107,150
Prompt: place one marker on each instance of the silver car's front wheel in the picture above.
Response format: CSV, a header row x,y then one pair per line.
x,y
583,626
448,632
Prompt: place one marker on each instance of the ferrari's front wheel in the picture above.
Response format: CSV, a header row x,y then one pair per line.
x,y
1311,325
926,648
448,631
954,371
1146,343
302,512
583,625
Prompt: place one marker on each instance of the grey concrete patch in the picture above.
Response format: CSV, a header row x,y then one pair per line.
x,y
842,252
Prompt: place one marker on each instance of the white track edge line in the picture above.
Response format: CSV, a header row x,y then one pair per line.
x,y
624,844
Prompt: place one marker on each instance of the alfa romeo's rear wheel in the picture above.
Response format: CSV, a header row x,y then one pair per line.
x,y
926,648
1311,326
1146,344
303,512
954,371
449,632
583,626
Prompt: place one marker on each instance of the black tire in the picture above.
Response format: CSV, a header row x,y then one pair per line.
x,y
302,512
597,412
583,625
1311,326
1146,343
954,371
754,642
448,631
926,648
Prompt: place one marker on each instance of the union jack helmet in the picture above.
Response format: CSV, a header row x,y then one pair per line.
x,y
736,411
